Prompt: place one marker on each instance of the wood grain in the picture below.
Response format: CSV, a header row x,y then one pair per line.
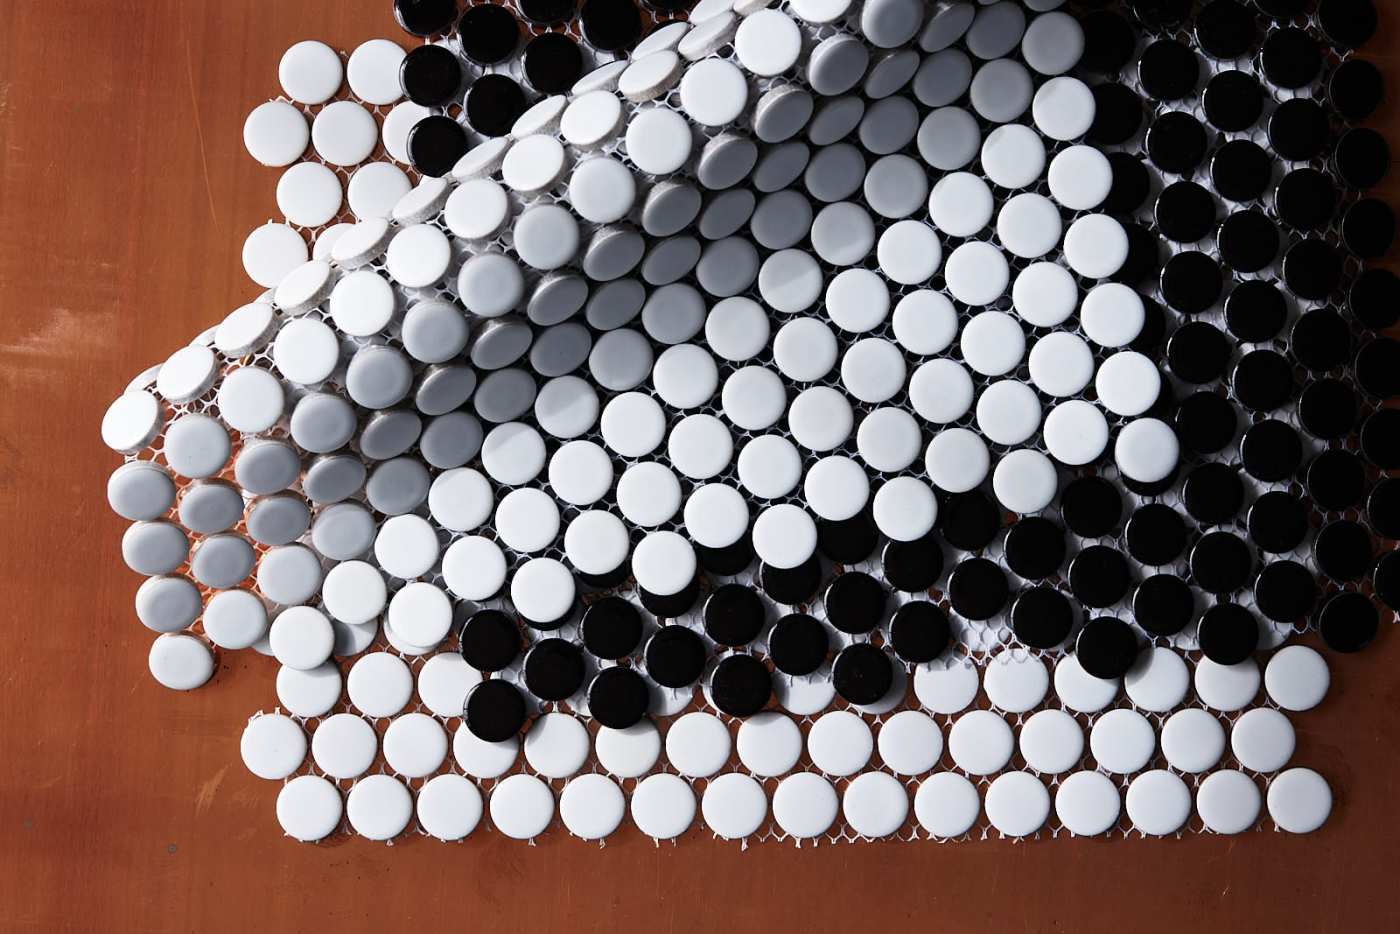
x,y
125,195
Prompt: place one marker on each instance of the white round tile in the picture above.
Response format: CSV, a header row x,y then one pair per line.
x,y
1158,803
910,742
734,806
521,806
591,807
804,805
980,742
1051,742
1087,803
1017,804
1296,678
840,743
309,808
1229,802
947,805
662,806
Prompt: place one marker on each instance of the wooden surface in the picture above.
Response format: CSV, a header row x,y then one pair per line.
x,y
125,196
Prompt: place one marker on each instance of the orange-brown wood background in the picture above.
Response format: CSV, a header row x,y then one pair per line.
x,y
125,194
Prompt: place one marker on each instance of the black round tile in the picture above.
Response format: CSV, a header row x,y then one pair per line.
x,y
914,566
1383,508
1312,269
1091,507
488,33
1248,241
969,521
1306,199
977,589
1233,101
1185,212
1343,550
919,632
493,104
607,579
855,602
425,17
1163,605
1255,311
1347,23
1109,42
1130,186
1191,283
847,541
490,640
1198,352
435,144
798,644
1144,256
1290,58
610,25
1380,438
862,674
1221,563
1154,328
1240,170
553,669
791,585
1277,522
1298,129
675,656
546,12
1378,367
1106,647
1271,451
1336,480
618,697
494,711
1327,409
1035,548
1099,576
1263,380
1374,299
1362,157
611,628
1355,89
1285,592
1386,579
1041,617
1117,114
1321,340
733,615
740,685
1156,534
1226,29
552,62
431,75
1213,493
1168,70
1176,142
1348,622
1206,422
1228,633
1368,228
728,560
671,605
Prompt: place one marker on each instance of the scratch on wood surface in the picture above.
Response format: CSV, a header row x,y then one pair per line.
x,y
52,341
199,128
206,791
